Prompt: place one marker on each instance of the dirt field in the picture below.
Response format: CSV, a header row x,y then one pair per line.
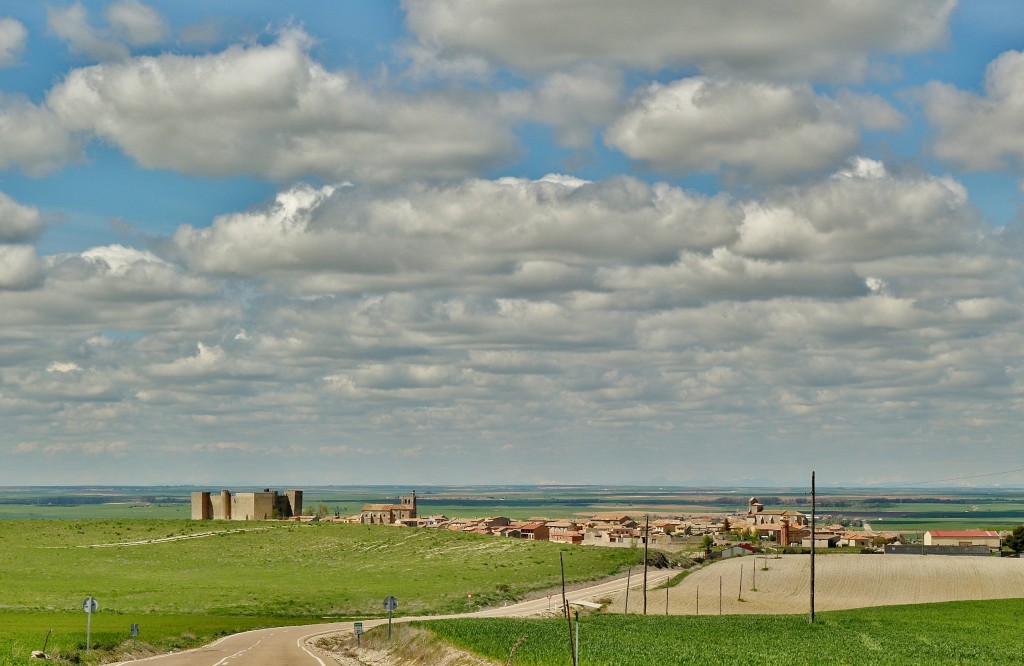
x,y
841,581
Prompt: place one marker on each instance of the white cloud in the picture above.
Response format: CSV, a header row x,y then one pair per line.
x,y
769,131
33,138
271,111
71,24
137,23
574,103
17,222
12,41
506,230
789,40
19,267
981,131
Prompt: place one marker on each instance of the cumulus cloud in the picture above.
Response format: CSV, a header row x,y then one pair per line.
x,y
767,130
33,138
71,24
981,131
509,229
19,267
860,214
574,103
17,222
136,23
482,311
271,111
12,41
786,40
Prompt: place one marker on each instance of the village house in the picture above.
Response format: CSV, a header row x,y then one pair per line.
x,y
564,531
533,531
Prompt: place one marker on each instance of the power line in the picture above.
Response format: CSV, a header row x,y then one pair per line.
x,y
952,478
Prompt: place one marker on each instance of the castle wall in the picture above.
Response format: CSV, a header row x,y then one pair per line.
x,y
202,508
246,506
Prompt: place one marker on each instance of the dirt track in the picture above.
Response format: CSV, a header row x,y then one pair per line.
x,y
841,581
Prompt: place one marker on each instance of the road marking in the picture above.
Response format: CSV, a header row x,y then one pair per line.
x,y
239,653
302,645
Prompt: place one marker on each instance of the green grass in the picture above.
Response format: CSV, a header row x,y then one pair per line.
x,y
188,591
26,631
976,632
276,569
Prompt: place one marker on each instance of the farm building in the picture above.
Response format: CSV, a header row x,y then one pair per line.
x,y
266,505
962,538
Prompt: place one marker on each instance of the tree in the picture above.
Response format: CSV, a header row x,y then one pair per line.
x,y
725,525
706,544
1015,540
322,510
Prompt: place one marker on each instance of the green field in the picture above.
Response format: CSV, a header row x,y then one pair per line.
x,y
270,572
24,632
977,632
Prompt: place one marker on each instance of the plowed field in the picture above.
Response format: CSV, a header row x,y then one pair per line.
x,y
841,581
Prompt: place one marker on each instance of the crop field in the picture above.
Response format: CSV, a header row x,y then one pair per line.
x,y
975,632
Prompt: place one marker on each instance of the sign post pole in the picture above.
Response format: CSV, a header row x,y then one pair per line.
x,y
390,604
89,606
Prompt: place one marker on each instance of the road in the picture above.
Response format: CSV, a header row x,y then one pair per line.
x,y
288,646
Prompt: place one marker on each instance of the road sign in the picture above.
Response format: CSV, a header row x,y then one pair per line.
x,y
135,630
89,605
390,604
359,628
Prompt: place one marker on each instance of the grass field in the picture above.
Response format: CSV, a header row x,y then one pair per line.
x,y
978,632
24,632
270,572
271,568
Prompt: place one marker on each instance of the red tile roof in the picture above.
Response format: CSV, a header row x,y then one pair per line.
x,y
966,534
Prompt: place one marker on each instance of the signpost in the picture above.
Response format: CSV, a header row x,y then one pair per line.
x,y
359,631
390,604
135,636
90,606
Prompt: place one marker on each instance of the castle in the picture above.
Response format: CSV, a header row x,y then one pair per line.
x,y
266,505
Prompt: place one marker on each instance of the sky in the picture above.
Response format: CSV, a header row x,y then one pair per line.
x,y
511,241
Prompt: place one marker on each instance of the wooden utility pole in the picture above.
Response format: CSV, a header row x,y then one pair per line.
x,y
647,538
810,617
625,608
565,609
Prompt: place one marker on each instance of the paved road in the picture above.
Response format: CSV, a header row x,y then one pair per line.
x,y
287,646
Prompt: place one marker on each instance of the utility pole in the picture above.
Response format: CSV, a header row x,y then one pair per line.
x,y
647,538
625,608
565,609
810,618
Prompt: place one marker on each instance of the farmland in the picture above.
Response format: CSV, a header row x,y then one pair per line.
x,y
973,632
842,581
257,574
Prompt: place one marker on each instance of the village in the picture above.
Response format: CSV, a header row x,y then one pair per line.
x,y
723,535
